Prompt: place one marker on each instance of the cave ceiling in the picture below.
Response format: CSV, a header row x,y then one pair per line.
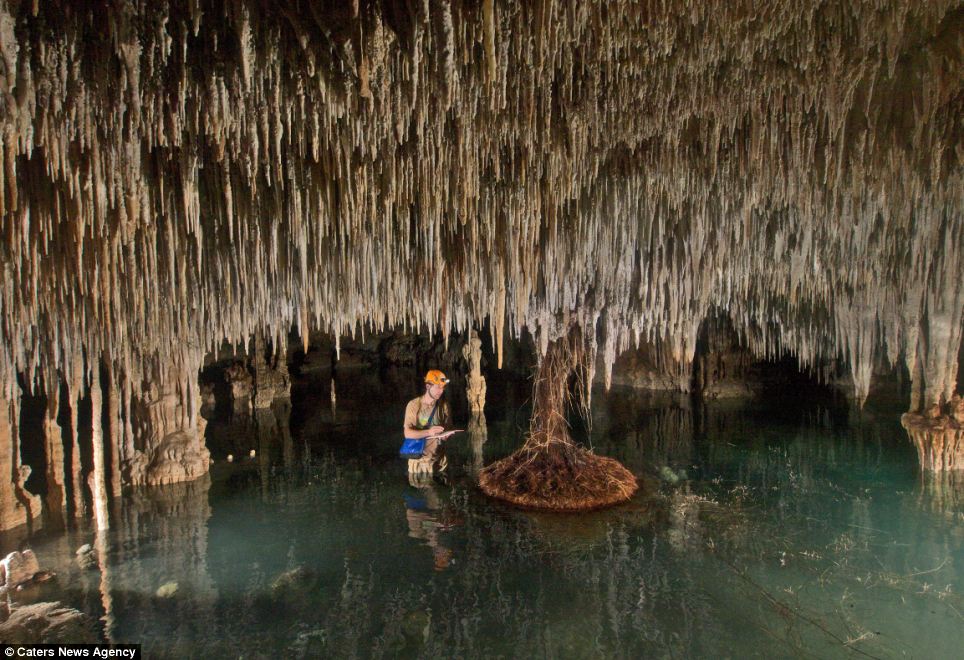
x,y
178,173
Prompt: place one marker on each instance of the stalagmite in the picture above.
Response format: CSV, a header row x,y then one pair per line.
x,y
76,477
475,391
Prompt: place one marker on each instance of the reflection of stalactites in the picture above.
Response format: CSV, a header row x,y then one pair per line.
x,y
177,515
273,428
942,492
106,599
478,436
266,424
334,401
685,532
283,413
670,432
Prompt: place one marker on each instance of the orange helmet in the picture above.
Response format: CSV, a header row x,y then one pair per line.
x,y
436,377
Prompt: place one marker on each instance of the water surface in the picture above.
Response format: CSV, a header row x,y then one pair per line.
x,y
783,528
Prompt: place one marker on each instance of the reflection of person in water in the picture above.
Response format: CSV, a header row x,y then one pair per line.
x,y
422,511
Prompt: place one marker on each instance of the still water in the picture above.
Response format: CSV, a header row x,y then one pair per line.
x,y
781,528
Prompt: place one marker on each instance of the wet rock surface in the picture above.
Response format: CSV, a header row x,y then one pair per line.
x,y
938,435
48,623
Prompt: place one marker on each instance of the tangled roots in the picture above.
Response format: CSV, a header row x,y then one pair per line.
x,y
558,476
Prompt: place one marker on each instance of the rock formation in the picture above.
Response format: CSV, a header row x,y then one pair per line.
x,y
17,506
475,385
18,568
240,385
271,380
938,435
176,174
168,436
57,473
48,623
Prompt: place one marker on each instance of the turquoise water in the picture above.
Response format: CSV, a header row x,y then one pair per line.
x,y
784,528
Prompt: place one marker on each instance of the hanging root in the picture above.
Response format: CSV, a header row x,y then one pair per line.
x,y
550,471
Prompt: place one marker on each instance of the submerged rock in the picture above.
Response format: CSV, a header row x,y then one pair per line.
x,y
310,643
47,623
86,556
167,590
298,578
18,568
416,625
667,474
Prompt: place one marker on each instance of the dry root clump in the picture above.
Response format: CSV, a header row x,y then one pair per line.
x,y
558,476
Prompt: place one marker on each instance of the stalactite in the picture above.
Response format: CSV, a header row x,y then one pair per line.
x,y
115,436
98,477
514,163
57,473
76,480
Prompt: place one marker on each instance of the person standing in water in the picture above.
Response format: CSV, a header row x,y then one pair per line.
x,y
425,418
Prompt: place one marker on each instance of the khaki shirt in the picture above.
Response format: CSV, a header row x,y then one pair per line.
x,y
411,415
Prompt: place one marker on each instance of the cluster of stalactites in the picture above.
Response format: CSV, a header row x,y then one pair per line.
x,y
180,172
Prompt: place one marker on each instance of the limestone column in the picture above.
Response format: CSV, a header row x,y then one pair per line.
x,y
74,389
472,352
115,432
98,478
54,450
168,443
17,506
935,421
938,435
271,379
